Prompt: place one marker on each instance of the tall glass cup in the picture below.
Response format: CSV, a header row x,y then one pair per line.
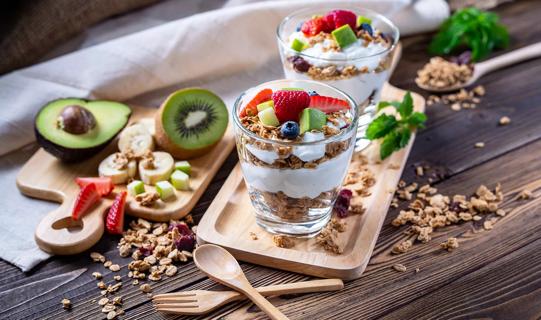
x,y
293,185
359,72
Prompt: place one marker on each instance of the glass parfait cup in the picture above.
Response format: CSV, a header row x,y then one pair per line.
x,y
293,185
360,75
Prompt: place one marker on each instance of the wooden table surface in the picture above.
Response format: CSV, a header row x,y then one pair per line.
x,y
493,274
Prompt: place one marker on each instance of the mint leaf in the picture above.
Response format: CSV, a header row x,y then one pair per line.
x,y
381,126
406,107
404,135
417,119
389,145
384,104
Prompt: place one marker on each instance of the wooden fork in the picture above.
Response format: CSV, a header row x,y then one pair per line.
x,y
202,301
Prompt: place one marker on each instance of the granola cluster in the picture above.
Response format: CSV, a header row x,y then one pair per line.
x,y
429,210
440,73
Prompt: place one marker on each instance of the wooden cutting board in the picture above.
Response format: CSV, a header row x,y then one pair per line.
x,y
230,219
45,177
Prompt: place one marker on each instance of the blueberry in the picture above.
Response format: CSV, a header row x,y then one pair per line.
x,y
368,28
312,93
299,64
290,130
299,26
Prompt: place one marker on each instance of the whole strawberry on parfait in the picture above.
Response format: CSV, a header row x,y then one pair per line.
x,y
295,114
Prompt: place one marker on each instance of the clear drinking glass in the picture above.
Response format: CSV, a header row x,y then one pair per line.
x,y
291,196
371,70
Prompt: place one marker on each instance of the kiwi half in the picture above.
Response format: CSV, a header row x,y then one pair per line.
x,y
190,122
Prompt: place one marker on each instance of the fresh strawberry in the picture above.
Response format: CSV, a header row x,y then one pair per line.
x,y
251,107
337,18
328,104
115,218
87,197
288,104
103,184
314,26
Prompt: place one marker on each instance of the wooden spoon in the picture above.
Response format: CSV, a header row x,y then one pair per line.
x,y
222,267
482,68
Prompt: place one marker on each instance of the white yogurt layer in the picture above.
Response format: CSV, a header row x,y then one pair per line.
x,y
299,183
357,50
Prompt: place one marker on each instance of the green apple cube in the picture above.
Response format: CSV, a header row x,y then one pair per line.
x,y
183,166
268,117
165,189
292,89
180,180
298,45
312,119
344,36
136,187
362,19
265,105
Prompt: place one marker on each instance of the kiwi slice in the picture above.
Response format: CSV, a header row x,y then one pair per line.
x,y
190,122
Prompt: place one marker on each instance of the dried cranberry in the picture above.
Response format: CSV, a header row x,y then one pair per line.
x,y
300,64
181,227
455,207
463,58
185,242
146,250
341,205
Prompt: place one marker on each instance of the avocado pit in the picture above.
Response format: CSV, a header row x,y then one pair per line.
x,y
75,119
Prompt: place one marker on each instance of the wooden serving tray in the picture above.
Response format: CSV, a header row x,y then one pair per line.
x,y
45,177
230,219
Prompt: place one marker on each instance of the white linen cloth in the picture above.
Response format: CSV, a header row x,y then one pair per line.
x,y
226,50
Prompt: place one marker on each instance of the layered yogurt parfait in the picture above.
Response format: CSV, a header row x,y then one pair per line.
x,y
295,141
349,49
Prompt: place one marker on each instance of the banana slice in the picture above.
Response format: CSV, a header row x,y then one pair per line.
x,y
157,169
118,168
149,123
136,139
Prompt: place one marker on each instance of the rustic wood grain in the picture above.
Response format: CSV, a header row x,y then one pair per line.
x,y
493,275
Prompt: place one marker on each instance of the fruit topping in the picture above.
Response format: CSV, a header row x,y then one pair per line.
x,y
251,107
268,117
136,187
183,166
117,167
341,205
114,222
368,28
185,242
363,19
314,26
265,105
75,129
289,104
104,185
337,18
86,198
328,104
135,139
165,189
299,64
344,36
75,119
312,119
290,130
157,166
298,45
180,180
190,122
312,93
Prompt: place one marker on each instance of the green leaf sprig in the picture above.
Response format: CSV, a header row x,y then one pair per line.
x,y
470,27
396,133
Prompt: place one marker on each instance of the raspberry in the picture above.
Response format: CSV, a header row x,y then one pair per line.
x,y
341,205
314,26
289,104
337,18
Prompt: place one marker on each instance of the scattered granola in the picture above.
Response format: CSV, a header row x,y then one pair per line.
x,y
402,247
400,267
253,235
97,275
97,257
504,121
114,267
147,199
525,194
450,244
328,237
66,303
479,145
145,288
440,73
283,241
463,99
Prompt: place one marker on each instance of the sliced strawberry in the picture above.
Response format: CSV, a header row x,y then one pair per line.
x,y
87,197
337,18
288,104
103,184
251,107
115,218
328,104
314,26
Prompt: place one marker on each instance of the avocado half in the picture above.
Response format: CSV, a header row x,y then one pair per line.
x,y
74,129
